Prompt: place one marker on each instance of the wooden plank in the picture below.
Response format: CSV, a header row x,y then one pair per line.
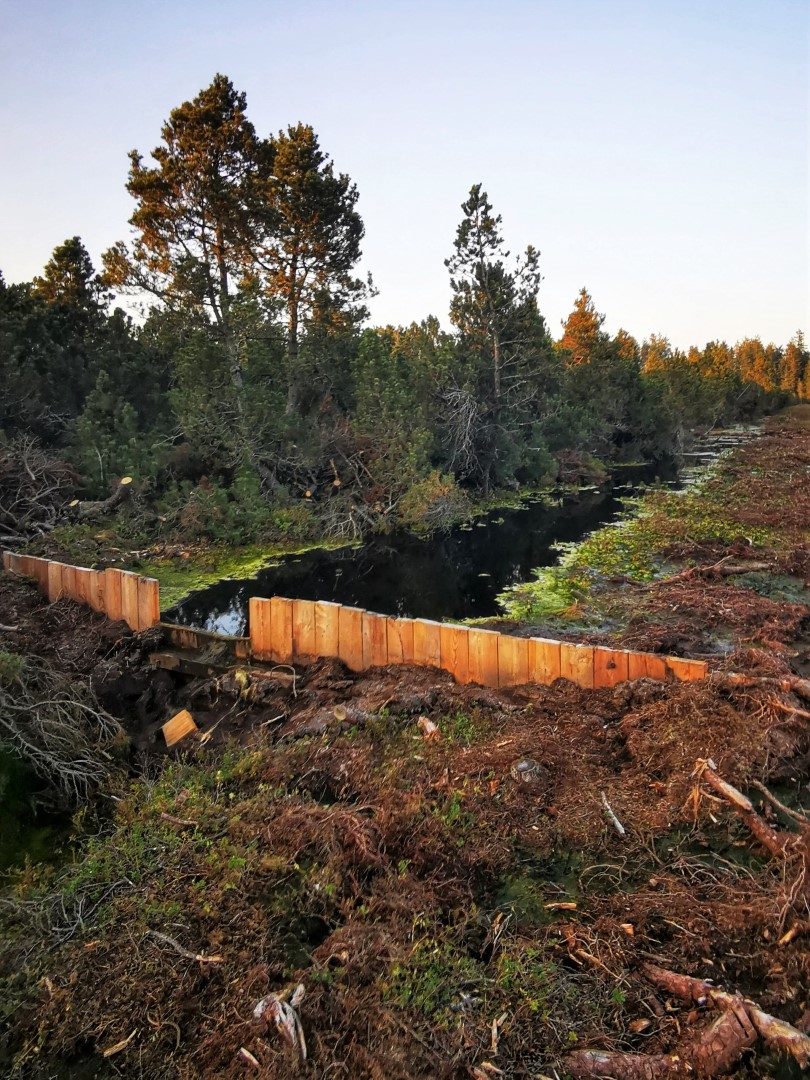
x,y
281,630
113,602
513,660
40,572
180,725
455,644
11,562
327,630
375,640
69,587
655,667
259,626
427,643
483,653
303,630
576,663
544,660
55,590
636,665
148,602
129,599
26,566
400,641
687,670
350,637
610,666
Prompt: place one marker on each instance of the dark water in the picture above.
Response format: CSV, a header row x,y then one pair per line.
x,y
453,574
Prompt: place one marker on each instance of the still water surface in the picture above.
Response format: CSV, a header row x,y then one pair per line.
x,y
456,573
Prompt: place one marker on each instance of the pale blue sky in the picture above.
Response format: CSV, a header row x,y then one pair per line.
x,y
655,151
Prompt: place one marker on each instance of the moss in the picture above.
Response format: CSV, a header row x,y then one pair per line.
x,y
179,576
635,547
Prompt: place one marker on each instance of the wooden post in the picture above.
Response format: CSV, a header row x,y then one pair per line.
x,y
513,660
281,630
427,643
303,630
576,663
610,666
483,663
400,641
455,646
327,629
544,660
375,641
350,637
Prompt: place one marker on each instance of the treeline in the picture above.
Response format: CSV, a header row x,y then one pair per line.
x,y
249,402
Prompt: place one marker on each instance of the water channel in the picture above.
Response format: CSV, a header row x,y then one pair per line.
x,y
454,574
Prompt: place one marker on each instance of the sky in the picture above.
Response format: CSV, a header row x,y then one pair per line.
x,y
655,152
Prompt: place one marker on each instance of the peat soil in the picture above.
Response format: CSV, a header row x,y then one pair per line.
x,y
464,882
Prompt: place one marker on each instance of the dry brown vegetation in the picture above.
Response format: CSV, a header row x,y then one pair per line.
x,y
456,901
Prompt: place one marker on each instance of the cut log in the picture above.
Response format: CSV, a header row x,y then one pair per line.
x,y
93,508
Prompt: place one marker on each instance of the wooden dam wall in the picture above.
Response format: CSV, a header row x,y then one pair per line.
x,y
299,631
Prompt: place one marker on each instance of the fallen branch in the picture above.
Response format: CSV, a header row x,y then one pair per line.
x,y
715,1053
777,1034
178,948
617,825
777,843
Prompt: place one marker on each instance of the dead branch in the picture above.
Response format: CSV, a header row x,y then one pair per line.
x,y
178,948
777,1034
777,843
55,725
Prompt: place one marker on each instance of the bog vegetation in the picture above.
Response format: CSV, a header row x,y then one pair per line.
x,y
252,402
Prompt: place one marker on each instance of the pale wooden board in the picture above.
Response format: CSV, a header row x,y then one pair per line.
x,y
129,599
327,629
544,660
375,640
180,725
513,660
687,670
55,590
576,663
303,629
113,603
350,637
148,602
259,626
455,644
400,641
636,666
281,630
69,582
610,666
483,645
427,643
655,667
